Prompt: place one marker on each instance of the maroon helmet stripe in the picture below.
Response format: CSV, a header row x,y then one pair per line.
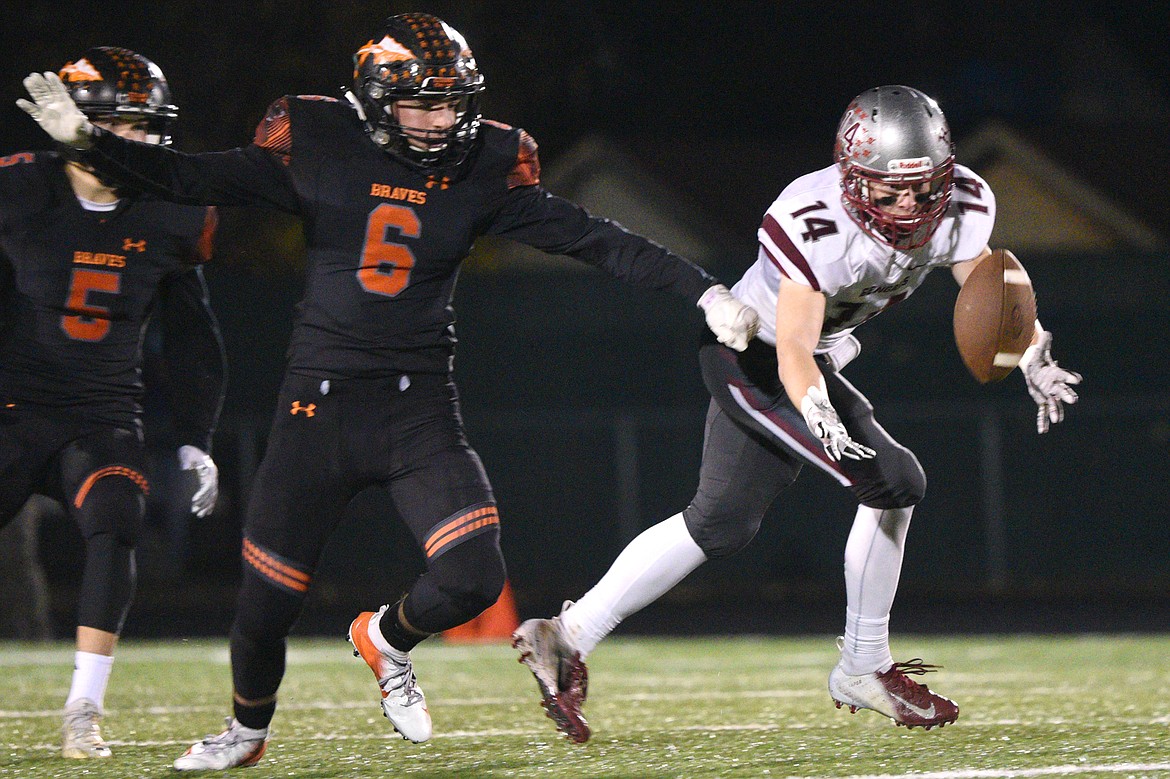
x,y
785,244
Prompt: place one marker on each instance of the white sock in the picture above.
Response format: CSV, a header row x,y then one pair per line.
x,y
91,672
873,564
246,733
650,565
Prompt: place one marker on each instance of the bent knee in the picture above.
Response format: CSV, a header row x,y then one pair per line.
x,y
721,533
472,576
113,504
901,484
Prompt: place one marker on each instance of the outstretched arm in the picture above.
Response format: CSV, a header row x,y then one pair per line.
x,y
535,217
245,176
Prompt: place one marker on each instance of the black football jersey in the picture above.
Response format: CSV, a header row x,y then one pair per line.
x,y
78,287
384,240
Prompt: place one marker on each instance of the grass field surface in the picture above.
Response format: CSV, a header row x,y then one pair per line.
x,y
1032,706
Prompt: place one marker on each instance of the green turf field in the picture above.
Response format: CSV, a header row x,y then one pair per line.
x,y
1095,706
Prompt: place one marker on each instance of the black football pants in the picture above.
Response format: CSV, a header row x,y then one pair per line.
x,y
756,442
330,440
97,472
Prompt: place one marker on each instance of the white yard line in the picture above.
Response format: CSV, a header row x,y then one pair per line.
x,y
1015,773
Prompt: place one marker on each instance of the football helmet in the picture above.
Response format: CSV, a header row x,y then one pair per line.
x,y
419,57
108,82
897,138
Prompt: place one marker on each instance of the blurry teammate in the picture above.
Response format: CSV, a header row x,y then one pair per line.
x,y
84,265
394,183
836,247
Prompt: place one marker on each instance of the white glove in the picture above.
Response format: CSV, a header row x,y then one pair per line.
x,y
822,420
192,458
733,323
55,110
1048,383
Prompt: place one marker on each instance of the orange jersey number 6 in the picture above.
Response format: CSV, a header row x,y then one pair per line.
x,y
385,266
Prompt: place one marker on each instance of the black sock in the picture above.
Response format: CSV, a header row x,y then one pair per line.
x,y
256,717
401,637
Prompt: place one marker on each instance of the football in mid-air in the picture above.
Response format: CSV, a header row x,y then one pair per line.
x,y
995,316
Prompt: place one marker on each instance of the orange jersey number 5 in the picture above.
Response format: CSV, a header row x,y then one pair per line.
x,y
93,321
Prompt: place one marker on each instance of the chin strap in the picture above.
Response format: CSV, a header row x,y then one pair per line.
x,y
351,98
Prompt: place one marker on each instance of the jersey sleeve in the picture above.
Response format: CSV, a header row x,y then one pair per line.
x,y
781,251
194,355
973,204
533,216
249,176
806,244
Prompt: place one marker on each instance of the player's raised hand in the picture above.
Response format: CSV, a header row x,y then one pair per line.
x,y
825,424
733,323
55,111
1049,385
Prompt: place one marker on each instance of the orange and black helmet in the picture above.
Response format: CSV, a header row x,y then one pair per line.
x,y
419,57
107,81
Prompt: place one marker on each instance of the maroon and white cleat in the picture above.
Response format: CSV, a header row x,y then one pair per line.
x,y
895,695
560,673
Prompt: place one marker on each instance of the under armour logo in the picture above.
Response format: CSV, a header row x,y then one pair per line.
x,y
442,183
310,410
138,246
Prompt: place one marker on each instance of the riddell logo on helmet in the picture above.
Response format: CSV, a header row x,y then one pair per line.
x,y
80,71
918,163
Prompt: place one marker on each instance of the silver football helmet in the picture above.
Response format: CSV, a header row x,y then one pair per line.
x,y
897,138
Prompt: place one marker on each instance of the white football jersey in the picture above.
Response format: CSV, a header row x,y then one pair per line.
x,y
809,238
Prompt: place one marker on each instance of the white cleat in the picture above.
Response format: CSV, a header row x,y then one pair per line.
x,y
403,701
81,733
236,747
895,695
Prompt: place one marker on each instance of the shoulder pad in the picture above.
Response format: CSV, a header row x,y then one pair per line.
x,y
525,170
274,133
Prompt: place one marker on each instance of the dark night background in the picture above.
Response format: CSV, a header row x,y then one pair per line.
x,y
565,374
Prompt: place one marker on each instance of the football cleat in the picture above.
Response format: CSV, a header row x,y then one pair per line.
x,y
236,747
893,694
560,673
403,703
82,735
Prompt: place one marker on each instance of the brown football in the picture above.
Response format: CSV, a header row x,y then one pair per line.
x,y
995,316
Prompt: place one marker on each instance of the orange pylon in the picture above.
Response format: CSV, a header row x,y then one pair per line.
x,y
496,623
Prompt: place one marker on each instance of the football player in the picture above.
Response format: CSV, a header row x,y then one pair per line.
x,y
394,183
84,265
837,247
